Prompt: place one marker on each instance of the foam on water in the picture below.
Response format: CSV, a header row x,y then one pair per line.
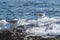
x,y
5,25
44,25
50,26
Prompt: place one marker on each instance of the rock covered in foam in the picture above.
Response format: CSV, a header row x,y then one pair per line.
x,y
37,31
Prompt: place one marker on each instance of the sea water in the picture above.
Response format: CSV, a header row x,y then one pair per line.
x,y
27,8
24,10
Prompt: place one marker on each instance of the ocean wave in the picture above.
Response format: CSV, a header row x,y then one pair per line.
x,y
45,26
52,24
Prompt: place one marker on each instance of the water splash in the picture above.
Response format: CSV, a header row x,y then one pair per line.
x,y
41,26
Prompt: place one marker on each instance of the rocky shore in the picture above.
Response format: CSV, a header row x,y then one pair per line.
x,y
6,35
20,35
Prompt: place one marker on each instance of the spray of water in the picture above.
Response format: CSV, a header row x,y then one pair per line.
x,y
43,25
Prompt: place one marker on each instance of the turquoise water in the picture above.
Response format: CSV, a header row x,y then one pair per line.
x,y
10,9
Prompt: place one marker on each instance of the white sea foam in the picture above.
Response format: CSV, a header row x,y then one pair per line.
x,y
52,26
49,25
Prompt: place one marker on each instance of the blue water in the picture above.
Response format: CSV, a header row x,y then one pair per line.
x,y
27,8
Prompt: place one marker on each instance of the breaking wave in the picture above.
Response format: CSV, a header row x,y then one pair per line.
x,y
45,26
52,23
